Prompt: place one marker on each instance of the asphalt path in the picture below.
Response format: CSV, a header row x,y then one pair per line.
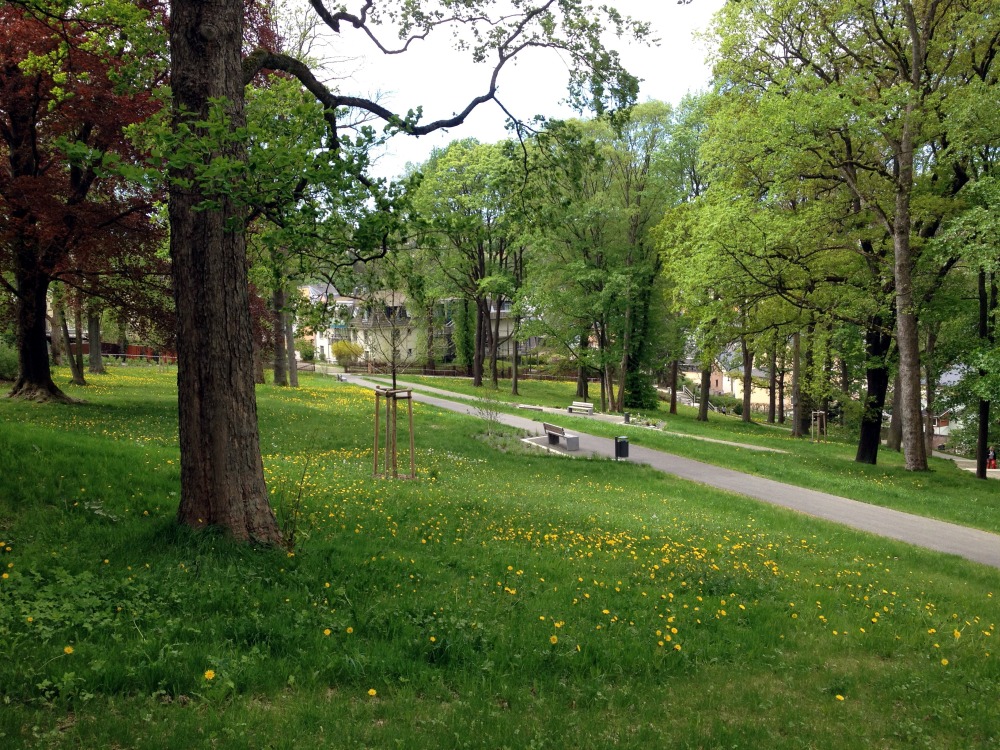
x,y
941,536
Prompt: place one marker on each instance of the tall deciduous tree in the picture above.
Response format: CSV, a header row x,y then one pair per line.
x,y
869,84
68,77
467,198
222,478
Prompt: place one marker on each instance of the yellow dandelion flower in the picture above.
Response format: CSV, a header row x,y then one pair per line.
x,y
68,650
350,630
553,639
209,674
944,662
372,692
327,631
840,697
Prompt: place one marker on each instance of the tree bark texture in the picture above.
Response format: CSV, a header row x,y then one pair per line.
x,y
781,384
772,382
482,315
877,344
582,391
674,366
515,358
706,386
77,378
278,300
907,333
77,355
931,381
34,379
95,359
222,475
894,438
747,378
56,344
987,306
796,385
289,335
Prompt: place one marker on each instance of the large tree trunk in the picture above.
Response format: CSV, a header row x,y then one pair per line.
x,y
772,382
877,343
515,357
76,373
781,383
931,380
907,333
608,400
797,405
278,301
96,361
987,306
747,378
482,315
494,343
222,475
894,438
624,364
582,384
806,400
293,365
57,344
34,378
430,359
674,367
706,386
258,366
77,353
123,337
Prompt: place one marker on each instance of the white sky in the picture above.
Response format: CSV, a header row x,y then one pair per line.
x,y
432,75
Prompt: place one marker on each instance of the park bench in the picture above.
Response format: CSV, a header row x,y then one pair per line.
x,y
580,406
556,433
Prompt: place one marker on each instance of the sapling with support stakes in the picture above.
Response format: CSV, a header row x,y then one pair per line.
x,y
392,397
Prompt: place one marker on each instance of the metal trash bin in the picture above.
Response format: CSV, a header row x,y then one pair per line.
x,y
621,447
627,417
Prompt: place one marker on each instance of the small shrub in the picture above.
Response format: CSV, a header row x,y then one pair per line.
x,y
8,362
346,352
487,408
307,349
730,404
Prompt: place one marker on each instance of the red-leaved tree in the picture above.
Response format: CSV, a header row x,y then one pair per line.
x,y
69,88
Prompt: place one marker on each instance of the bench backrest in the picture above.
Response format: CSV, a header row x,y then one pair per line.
x,y
583,405
553,428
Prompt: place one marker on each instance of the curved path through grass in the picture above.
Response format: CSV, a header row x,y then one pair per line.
x,y
941,536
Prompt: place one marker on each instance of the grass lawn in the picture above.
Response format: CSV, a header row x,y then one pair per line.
x,y
503,599
946,492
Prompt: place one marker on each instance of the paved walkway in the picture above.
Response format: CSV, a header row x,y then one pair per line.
x,y
941,536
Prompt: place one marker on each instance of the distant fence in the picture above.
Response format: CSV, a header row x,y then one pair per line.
x,y
449,371
132,353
